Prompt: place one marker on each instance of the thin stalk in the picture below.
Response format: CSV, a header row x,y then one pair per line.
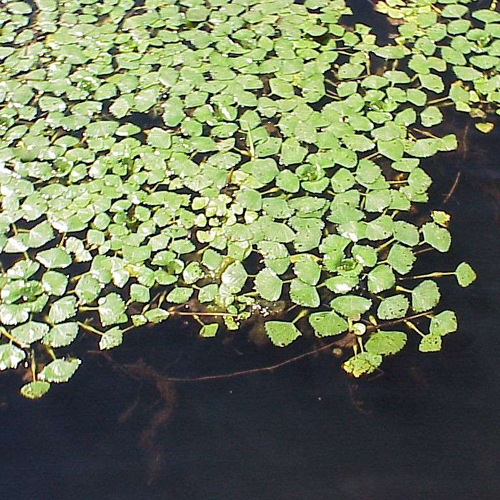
x,y
436,274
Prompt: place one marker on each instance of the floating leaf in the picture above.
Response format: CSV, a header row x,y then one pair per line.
x,y
443,323
10,356
268,285
386,342
59,370
35,390
327,323
465,274
430,343
62,309
393,307
351,306
363,363
437,237
112,310
281,333
425,296
111,338
210,330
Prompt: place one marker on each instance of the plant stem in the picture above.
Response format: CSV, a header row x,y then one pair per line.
x,y
436,274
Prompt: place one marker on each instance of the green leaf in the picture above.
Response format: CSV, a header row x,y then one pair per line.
x,y
465,274
436,236
29,332
327,323
304,294
61,335
351,306
281,333
268,285
386,342
425,296
363,363
59,370
111,338
210,330
307,269
62,309
179,295
443,323
54,258
10,356
430,343
234,277
112,310
401,258
380,278
393,307
35,390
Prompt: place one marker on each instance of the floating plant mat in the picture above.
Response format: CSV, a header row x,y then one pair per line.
x,y
227,156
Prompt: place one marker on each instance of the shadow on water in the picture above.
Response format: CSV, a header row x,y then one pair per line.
x,y
426,428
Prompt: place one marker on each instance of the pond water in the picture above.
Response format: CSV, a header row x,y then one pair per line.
x,y
425,428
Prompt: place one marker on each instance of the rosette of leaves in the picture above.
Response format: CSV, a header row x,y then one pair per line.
x,y
150,156
455,37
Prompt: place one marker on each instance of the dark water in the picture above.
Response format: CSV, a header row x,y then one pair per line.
x,y
427,428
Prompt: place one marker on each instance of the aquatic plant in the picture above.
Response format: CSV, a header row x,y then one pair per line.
x,y
227,156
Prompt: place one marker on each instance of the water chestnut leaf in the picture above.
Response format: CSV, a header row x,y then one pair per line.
x,y
111,338
59,370
209,331
443,323
363,363
35,390
62,309
61,335
268,285
281,333
380,278
10,356
351,306
29,332
430,343
436,236
465,274
304,294
385,342
112,309
327,323
425,296
393,307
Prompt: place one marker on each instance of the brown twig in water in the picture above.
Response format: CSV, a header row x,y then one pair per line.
x,y
453,188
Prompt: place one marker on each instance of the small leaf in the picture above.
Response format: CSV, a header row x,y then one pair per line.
x,y
465,274
111,338
281,333
327,323
112,310
351,306
425,296
443,323
10,356
59,370
393,307
268,285
61,335
386,342
210,330
62,309
430,343
437,237
35,390
54,258
363,363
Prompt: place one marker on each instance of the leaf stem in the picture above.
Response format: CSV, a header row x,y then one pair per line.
x,y
436,274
